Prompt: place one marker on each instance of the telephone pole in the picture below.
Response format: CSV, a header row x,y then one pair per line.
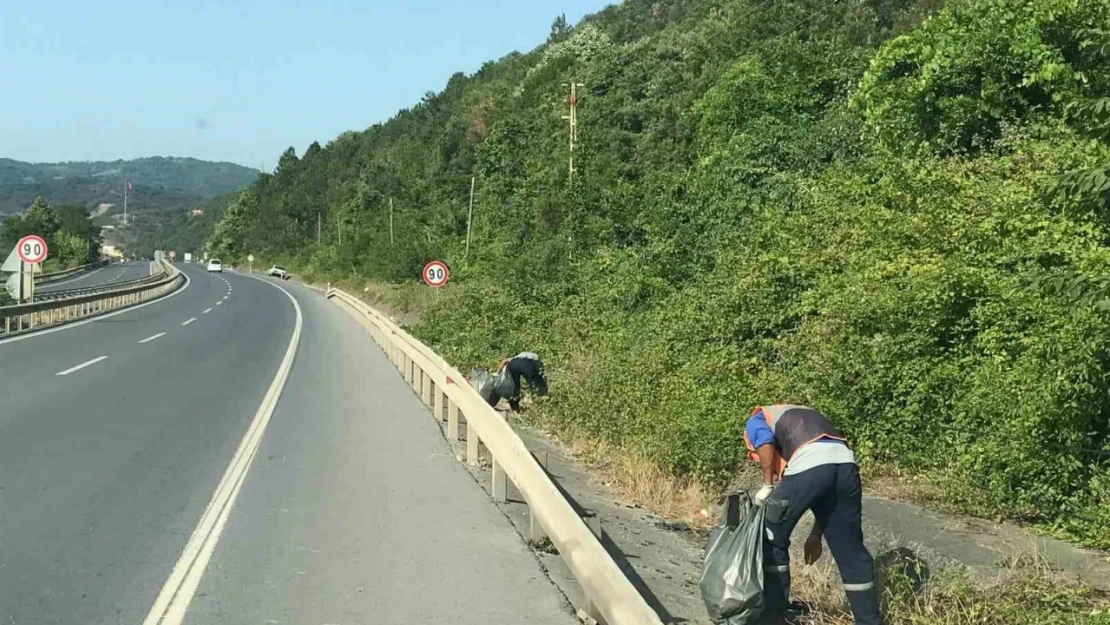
x,y
319,220
469,218
572,119
391,221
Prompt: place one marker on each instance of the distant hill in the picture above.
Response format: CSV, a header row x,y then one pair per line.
x,y
157,182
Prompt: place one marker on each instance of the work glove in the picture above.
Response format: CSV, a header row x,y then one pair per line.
x,y
763,493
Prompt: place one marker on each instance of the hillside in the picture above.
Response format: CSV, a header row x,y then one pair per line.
x,y
164,191
90,183
864,206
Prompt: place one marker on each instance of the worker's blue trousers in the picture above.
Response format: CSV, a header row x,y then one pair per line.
x,y
834,493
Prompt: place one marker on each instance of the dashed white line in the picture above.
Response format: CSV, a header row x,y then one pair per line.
x,y
219,302
206,311
225,297
151,338
189,321
82,365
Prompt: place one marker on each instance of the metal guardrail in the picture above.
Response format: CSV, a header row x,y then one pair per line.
x,y
613,599
48,278
158,273
26,317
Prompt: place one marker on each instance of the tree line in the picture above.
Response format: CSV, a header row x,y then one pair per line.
x,y
880,208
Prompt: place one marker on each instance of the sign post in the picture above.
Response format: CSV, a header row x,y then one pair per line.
x,y
250,263
31,250
436,274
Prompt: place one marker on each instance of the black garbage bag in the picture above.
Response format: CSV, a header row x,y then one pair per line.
x,y
504,383
486,385
732,576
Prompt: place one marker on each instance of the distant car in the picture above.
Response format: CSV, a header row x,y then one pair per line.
x,y
278,272
215,265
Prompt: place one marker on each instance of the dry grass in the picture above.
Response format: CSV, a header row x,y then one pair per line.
x,y
642,482
1025,591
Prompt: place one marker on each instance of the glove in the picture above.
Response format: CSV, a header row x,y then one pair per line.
x,y
763,493
812,549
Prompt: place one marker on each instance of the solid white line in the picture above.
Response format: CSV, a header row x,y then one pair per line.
x,y
76,324
82,365
151,338
189,321
172,602
206,311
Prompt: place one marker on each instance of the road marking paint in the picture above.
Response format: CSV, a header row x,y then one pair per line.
x,y
219,302
77,324
189,321
206,311
151,338
177,593
226,296
82,365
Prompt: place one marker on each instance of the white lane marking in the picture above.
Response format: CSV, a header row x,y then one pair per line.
x,y
177,593
206,311
189,321
219,302
76,324
225,297
82,365
151,338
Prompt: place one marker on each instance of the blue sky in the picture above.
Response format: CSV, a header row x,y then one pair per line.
x,y
236,80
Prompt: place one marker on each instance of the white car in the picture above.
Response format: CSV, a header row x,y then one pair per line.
x,y
215,265
278,271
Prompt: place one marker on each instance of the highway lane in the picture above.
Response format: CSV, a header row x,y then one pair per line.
x,y
104,471
116,272
354,509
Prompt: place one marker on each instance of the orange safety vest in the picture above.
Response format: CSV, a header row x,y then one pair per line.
x,y
799,425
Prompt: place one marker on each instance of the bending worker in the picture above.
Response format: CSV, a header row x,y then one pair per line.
x,y
525,365
817,471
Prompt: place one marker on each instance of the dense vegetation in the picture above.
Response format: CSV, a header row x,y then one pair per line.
x,y
71,237
860,205
158,182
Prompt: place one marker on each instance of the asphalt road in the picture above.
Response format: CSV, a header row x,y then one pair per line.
x,y
352,510
110,274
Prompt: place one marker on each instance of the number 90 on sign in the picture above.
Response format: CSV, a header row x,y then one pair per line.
x,y
436,274
31,249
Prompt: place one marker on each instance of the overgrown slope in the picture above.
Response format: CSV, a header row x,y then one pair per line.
x,y
843,204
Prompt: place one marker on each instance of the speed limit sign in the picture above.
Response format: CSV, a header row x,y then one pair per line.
x,y
436,274
31,249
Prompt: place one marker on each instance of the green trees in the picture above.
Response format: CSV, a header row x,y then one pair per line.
x,y
851,207
68,232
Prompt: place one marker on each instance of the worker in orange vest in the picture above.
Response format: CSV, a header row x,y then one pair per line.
x,y
816,470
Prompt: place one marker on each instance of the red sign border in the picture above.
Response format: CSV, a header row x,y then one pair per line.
x,y
446,273
33,237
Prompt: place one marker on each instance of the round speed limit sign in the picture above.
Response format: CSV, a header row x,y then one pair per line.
x,y
436,274
31,249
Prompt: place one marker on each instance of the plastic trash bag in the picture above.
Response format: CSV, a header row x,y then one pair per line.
x,y
505,386
732,576
485,383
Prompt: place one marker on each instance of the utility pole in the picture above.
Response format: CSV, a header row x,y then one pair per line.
x,y
319,221
572,119
340,222
391,221
469,219
126,184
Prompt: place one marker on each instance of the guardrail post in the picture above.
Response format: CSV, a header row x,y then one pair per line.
x,y
500,485
452,420
437,404
426,388
416,373
406,368
472,446
535,527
